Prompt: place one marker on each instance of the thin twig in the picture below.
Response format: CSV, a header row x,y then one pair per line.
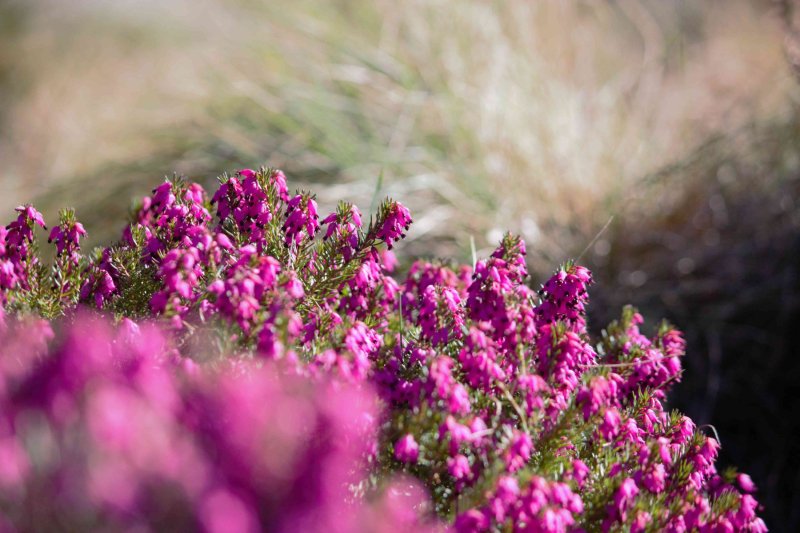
x,y
474,253
716,435
599,233
516,407
376,194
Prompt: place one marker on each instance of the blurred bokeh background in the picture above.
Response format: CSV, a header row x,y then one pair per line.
x,y
657,140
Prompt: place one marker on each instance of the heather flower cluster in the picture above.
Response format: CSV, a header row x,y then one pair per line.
x,y
16,241
111,428
249,365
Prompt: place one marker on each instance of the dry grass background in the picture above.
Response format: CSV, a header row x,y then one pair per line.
x,y
485,116
677,118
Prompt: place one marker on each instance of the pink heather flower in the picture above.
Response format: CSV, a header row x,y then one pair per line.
x,y
247,173
401,508
458,400
512,251
3,238
600,392
244,200
442,383
479,430
579,472
343,222
459,468
28,217
343,227
294,287
15,241
747,510
223,512
441,376
708,452
641,521
656,366
360,339
14,464
99,285
677,524
195,194
547,506
277,181
654,478
623,498
441,315
168,216
67,238
745,483
519,451
371,291
609,428
163,196
486,300
406,449
388,260
684,431
505,497
562,495
301,219
561,358
248,281
457,432
361,342
664,450
355,216
269,345
631,434
534,390
674,343
8,275
472,521
564,297
227,198
396,222
649,420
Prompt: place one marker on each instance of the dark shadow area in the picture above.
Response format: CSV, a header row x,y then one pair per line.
x,y
715,248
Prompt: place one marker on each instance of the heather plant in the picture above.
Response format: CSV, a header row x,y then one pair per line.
x,y
111,428
268,370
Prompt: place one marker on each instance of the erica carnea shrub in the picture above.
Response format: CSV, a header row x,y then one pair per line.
x,y
249,366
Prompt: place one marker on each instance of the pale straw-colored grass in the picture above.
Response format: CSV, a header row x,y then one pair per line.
x,y
538,117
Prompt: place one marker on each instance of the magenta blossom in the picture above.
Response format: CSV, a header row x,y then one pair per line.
x,y
406,449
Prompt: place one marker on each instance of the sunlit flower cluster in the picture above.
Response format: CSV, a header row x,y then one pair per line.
x,y
270,370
